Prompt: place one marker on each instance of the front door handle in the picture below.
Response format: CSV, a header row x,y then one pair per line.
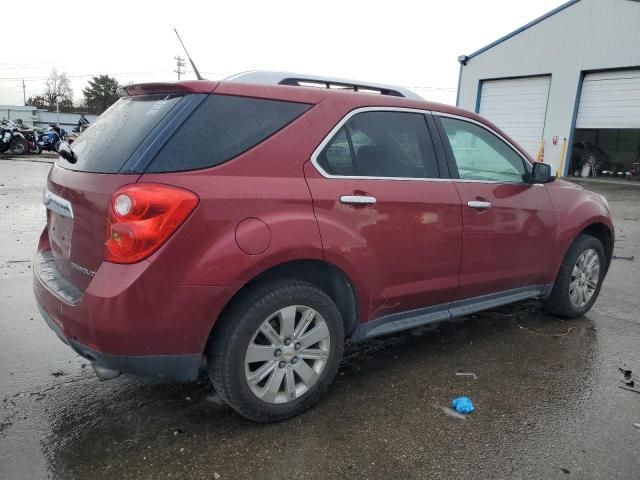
x,y
478,204
357,200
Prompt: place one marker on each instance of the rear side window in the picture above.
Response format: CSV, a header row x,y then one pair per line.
x,y
221,128
336,157
107,144
381,144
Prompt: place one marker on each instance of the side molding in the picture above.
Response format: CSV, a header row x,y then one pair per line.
x,y
423,316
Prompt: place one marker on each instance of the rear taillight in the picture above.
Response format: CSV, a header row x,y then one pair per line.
x,y
142,217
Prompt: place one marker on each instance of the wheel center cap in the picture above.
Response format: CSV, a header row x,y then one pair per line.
x,y
288,352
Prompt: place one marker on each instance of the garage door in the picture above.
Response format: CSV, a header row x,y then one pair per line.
x,y
610,100
519,107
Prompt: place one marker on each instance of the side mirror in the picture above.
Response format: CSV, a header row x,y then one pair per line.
x,y
65,152
541,173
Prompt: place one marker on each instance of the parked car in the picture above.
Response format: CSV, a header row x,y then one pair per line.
x,y
249,226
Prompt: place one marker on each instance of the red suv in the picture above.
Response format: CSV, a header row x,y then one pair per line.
x,y
249,226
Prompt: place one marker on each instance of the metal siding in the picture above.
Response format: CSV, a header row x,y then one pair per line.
x,y
518,106
588,35
610,100
64,119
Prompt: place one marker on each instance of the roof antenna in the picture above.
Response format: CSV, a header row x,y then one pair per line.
x,y
193,65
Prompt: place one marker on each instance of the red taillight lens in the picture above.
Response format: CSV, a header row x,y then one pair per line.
x,y
142,217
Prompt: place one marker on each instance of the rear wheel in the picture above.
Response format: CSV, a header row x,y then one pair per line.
x,y
276,350
580,278
18,146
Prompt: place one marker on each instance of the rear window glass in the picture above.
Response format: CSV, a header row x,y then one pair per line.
x,y
107,144
221,128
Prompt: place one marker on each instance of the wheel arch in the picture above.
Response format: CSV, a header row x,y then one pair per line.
x,y
603,233
326,276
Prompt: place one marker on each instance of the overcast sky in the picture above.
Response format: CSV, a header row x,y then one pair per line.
x,y
410,43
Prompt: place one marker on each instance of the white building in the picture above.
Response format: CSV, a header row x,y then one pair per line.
x,y
28,115
571,74
33,117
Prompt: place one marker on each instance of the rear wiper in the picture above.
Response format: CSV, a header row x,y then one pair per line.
x,y
65,151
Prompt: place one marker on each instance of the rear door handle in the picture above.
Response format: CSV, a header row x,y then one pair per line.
x,y
357,200
478,204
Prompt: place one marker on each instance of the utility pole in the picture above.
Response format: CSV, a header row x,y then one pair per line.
x,y
180,63
24,93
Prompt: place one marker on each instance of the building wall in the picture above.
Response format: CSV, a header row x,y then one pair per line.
x,y
68,121
588,35
14,112
42,118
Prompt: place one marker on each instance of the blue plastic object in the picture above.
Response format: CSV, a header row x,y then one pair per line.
x,y
462,405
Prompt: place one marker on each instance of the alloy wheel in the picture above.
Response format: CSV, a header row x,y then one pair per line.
x,y
287,354
584,278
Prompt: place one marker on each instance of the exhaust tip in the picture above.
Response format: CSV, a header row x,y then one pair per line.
x,y
105,373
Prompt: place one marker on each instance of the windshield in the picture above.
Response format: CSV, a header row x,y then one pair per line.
x,y
107,144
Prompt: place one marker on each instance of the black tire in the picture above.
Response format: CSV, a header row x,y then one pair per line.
x,y
236,328
18,146
559,302
37,150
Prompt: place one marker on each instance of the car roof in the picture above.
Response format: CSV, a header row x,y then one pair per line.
x,y
302,88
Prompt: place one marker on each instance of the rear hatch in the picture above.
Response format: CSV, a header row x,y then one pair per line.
x,y
112,152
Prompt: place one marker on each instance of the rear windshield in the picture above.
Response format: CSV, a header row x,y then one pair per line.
x,y
109,142
221,128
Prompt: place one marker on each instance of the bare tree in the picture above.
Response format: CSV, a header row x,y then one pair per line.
x,y
58,87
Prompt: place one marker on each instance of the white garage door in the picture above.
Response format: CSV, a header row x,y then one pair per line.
x,y
610,100
519,107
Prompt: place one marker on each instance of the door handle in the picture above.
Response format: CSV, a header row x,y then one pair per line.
x,y
357,200
478,204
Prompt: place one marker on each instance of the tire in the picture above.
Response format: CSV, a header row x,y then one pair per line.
x,y
238,336
37,150
562,301
18,147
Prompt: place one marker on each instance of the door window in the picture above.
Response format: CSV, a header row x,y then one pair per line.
x,y
381,144
481,155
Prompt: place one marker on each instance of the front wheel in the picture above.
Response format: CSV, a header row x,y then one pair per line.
x,y
580,278
276,350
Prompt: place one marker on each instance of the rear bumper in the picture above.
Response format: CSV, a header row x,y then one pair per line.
x,y
183,368
131,318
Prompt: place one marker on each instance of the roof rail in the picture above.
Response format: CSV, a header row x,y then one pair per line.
x,y
301,80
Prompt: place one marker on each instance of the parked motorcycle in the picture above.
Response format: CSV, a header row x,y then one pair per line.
x,y
32,141
50,139
11,140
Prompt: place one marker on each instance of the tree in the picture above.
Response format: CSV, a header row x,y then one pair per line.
x,y
100,94
38,101
58,89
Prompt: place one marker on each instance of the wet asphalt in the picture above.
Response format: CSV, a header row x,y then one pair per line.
x,y
547,396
